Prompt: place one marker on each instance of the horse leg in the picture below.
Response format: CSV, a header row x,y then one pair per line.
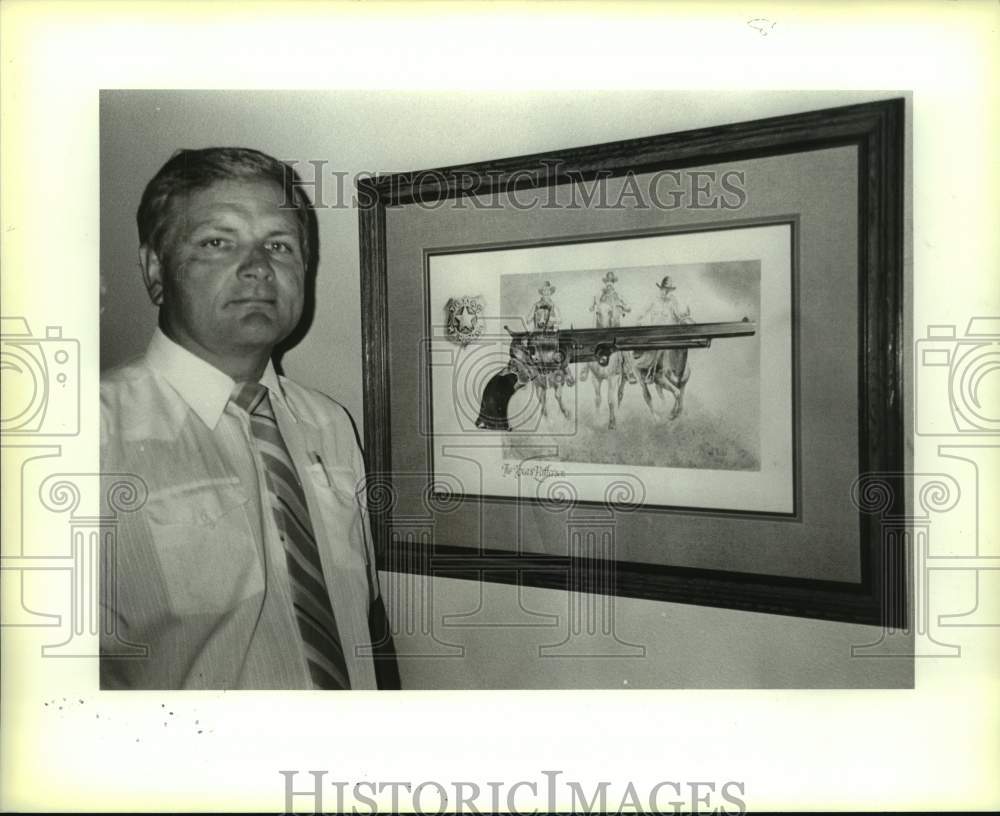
x,y
628,370
678,403
611,403
558,395
597,392
664,384
540,392
679,392
678,363
647,396
655,376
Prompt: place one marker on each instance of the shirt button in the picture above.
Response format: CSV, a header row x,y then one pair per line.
x,y
205,517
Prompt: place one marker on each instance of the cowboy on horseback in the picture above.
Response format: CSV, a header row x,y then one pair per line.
x,y
544,317
667,309
668,370
610,295
610,309
544,314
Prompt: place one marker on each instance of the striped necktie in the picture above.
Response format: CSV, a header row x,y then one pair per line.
x,y
313,611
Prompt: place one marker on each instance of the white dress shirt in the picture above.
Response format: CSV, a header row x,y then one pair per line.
x,y
665,311
199,573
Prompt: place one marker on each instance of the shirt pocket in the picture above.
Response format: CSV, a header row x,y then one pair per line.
x,y
206,549
334,489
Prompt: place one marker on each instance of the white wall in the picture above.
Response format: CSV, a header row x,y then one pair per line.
x,y
499,644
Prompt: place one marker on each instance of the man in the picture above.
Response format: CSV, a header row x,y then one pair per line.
x,y
250,564
666,310
544,314
609,311
545,317
610,301
669,368
540,366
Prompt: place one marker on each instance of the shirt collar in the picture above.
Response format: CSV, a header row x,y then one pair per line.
x,y
201,385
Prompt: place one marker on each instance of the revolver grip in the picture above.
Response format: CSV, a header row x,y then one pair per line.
x,y
496,397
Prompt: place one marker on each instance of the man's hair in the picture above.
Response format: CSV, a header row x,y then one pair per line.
x,y
187,171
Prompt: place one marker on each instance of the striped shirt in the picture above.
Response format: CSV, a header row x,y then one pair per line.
x,y
200,575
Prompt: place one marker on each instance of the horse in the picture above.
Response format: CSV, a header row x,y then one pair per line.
x,y
541,363
554,379
607,315
666,369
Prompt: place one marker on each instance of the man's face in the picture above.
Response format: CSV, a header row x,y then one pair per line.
x,y
232,275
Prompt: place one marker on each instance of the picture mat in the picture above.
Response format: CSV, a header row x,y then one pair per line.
x,y
816,188
479,273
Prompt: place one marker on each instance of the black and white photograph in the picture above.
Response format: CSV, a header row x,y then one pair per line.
x,y
608,365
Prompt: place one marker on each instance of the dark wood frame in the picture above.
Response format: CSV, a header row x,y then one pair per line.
x,y
877,130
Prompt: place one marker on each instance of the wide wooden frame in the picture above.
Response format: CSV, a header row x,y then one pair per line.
x,y
880,596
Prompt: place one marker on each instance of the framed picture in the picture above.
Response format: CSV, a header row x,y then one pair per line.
x,y
667,367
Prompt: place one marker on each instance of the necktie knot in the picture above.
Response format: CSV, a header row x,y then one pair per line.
x,y
251,397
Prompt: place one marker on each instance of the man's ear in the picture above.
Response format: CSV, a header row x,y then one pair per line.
x,y
152,274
